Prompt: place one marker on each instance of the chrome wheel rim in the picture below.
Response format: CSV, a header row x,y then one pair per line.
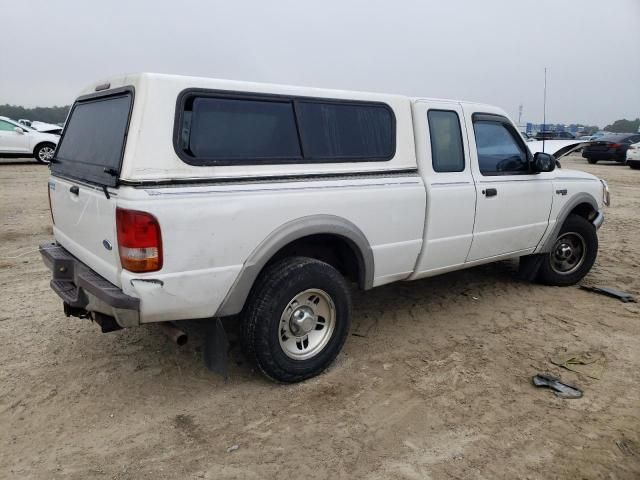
x,y
45,154
568,253
307,324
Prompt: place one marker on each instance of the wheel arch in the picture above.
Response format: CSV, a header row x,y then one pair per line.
x,y
582,204
288,238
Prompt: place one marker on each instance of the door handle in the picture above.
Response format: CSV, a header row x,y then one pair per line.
x,y
74,189
490,192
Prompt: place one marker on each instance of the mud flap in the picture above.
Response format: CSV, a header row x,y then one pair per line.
x,y
529,266
216,348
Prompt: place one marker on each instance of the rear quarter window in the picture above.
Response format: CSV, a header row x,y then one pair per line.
x,y
447,153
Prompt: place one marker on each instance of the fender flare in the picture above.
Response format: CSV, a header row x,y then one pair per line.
x,y
562,216
302,227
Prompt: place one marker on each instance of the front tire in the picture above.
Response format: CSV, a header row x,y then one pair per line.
x,y
592,161
43,153
296,319
573,254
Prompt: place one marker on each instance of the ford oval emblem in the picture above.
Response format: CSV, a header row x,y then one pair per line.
x,y
107,244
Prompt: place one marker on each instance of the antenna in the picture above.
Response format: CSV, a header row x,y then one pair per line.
x,y
544,107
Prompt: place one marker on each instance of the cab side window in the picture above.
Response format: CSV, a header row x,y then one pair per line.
x,y
499,152
447,153
6,126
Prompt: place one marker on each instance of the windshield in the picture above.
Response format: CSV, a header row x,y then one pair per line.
x,y
17,124
92,143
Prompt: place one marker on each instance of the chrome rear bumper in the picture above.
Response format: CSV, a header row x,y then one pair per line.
x,y
82,289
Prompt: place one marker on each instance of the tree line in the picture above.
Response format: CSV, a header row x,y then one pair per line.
x,y
624,126
41,114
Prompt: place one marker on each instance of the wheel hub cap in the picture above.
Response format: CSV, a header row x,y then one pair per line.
x,y
568,253
302,321
307,324
564,251
46,153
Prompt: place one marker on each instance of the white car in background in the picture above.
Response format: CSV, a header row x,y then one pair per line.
x,y
42,126
17,140
633,156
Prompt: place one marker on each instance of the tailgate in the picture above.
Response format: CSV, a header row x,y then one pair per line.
x,y
86,164
85,224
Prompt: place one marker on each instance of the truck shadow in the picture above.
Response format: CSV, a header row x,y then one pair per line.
x,y
371,309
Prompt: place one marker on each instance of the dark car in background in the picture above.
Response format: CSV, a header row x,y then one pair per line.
x,y
610,147
553,135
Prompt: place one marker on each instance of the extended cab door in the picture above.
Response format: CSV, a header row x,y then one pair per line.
x,y
443,158
513,207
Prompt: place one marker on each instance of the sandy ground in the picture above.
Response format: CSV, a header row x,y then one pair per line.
x,y
433,383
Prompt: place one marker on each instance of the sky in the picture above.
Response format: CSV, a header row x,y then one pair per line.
x,y
491,51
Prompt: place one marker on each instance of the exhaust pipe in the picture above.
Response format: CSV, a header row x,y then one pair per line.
x,y
173,333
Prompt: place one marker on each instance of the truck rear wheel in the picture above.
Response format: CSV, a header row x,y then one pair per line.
x,y
297,319
572,255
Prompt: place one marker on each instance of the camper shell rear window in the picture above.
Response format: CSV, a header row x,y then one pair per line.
x,y
225,128
92,143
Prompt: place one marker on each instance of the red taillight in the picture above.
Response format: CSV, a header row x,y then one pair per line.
x,y
614,145
139,241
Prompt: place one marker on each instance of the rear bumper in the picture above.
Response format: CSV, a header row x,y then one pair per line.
x,y
83,289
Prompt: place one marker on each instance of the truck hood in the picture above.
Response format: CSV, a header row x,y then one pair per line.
x,y
565,173
45,127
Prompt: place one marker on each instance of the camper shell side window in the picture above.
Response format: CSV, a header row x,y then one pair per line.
x,y
224,128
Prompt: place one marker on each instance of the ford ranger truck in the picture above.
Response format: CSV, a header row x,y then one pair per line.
x,y
178,198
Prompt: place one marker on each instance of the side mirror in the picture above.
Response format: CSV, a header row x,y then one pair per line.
x,y
543,162
18,130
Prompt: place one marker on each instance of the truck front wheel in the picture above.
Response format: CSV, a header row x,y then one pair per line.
x,y
572,255
297,319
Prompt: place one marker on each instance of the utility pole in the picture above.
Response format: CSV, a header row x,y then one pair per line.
x,y
519,115
544,106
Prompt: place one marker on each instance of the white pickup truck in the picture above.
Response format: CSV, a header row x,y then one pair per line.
x,y
188,198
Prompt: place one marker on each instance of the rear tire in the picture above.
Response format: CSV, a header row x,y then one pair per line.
x,y
635,166
297,319
573,254
43,153
592,160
